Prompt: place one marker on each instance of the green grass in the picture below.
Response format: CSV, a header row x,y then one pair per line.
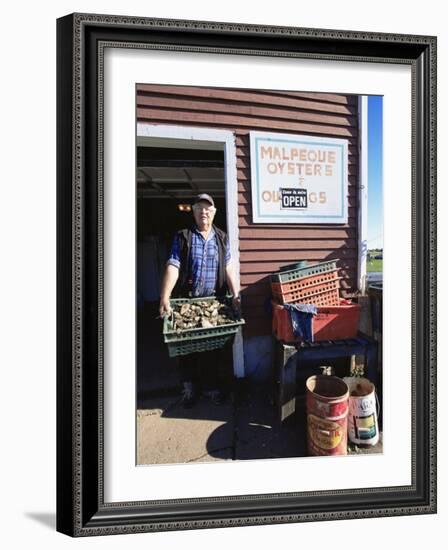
x,y
375,265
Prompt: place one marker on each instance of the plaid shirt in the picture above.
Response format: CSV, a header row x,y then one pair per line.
x,y
204,261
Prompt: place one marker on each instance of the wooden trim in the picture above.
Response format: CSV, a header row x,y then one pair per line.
x,y
363,192
231,121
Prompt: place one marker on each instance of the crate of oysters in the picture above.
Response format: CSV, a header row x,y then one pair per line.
x,y
199,324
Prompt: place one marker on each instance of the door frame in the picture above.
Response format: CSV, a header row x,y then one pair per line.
x,y
363,156
209,138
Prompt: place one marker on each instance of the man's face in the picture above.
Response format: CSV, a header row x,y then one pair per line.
x,y
203,213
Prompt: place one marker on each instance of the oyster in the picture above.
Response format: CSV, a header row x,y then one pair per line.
x,y
184,308
201,314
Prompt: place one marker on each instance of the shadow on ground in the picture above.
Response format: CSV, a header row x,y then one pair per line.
x,y
260,433
244,427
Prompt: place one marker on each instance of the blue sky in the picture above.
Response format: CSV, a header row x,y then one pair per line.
x,y
375,173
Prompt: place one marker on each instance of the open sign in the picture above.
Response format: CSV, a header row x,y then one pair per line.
x,y
294,198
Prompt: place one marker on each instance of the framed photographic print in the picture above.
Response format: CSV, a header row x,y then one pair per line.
x,y
246,274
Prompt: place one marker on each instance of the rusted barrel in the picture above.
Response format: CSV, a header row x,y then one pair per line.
x,y
327,409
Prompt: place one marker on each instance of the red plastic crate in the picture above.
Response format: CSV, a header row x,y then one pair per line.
x,y
331,322
321,290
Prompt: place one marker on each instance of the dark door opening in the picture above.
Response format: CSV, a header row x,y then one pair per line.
x,y
168,178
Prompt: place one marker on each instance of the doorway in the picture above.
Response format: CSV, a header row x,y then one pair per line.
x,y
170,172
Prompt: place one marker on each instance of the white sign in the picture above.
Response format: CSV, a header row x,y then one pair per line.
x,y
298,179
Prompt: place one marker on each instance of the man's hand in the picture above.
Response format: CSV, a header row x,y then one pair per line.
x,y
234,288
169,280
236,304
164,307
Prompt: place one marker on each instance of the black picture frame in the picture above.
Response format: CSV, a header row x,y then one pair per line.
x,y
81,510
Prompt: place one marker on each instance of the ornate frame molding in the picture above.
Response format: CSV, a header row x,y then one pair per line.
x,y
82,39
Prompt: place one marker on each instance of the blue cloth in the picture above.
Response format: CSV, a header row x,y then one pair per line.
x,y
301,316
204,259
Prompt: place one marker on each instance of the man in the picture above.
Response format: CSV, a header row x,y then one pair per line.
x,y
199,265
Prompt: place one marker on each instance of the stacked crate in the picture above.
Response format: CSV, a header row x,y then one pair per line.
x,y
319,285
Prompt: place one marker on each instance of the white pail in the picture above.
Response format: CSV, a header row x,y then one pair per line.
x,y
362,412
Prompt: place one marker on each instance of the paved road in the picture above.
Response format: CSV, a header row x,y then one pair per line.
x,y
244,428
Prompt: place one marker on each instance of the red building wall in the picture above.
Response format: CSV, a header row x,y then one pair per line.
x,y
266,247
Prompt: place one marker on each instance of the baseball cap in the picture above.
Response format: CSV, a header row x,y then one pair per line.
x,y
204,197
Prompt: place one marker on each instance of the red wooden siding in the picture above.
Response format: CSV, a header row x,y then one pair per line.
x,y
265,248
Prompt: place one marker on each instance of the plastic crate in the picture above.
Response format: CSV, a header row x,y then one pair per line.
x,y
323,298
331,323
195,340
321,290
291,267
294,274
